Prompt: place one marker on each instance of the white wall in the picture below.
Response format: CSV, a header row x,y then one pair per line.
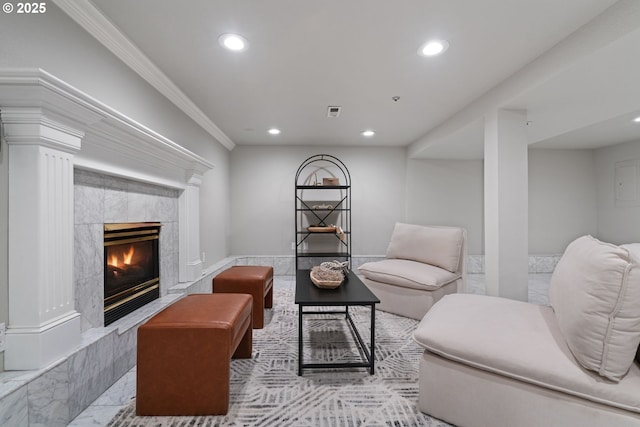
x,y
562,198
215,206
616,224
448,192
262,196
563,201
4,238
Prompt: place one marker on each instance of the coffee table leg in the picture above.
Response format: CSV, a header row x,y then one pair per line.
x,y
373,336
299,340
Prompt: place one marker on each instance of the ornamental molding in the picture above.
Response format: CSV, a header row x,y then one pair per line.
x,y
112,143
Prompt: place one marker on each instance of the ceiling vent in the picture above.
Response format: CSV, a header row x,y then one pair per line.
x,y
333,111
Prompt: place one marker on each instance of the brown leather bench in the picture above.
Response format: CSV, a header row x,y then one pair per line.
x,y
249,279
184,354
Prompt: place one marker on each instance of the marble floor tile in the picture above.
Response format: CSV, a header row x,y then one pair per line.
x,y
14,408
48,398
105,407
119,393
95,416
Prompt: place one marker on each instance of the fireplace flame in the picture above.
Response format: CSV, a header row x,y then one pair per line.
x,y
128,255
115,261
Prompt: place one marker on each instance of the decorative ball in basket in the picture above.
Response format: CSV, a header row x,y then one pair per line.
x,y
326,278
337,265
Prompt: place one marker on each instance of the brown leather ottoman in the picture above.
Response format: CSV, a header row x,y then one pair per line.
x,y
184,354
249,279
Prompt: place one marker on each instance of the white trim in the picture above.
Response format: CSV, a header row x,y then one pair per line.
x,y
113,143
190,264
43,323
96,24
40,347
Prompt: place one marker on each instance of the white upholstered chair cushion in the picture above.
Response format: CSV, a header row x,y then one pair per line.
x,y
439,246
595,294
517,340
408,274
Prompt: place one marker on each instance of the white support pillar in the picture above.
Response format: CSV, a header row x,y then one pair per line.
x,y
43,323
189,229
506,204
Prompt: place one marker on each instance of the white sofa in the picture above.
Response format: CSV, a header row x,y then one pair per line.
x,y
491,361
423,264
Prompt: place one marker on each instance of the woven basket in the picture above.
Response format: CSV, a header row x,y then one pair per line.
x,y
325,278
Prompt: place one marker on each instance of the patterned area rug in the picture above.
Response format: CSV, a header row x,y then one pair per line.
x,y
266,390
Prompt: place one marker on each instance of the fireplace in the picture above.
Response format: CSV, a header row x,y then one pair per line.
x,y
131,267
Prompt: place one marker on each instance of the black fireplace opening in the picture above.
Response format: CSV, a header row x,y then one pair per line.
x,y
131,267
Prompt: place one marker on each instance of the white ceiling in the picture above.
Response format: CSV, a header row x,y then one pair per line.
x,y
304,56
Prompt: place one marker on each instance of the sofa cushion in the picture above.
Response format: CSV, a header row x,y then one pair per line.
x,y
407,274
439,246
520,341
595,293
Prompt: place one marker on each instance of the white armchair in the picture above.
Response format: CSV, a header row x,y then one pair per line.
x,y
423,264
491,361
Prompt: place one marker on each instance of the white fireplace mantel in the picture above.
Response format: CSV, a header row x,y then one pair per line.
x,y
51,128
113,143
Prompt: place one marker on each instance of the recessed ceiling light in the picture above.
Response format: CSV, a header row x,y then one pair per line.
x,y
368,133
637,119
274,131
433,47
233,42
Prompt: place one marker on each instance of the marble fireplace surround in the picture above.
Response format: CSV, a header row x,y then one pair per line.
x,y
100,199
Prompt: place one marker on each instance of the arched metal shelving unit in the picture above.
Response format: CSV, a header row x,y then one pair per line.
x,y
322,201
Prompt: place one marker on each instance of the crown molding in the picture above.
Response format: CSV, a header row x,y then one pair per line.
x,y
95,23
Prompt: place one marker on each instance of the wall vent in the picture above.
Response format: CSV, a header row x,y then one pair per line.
x,y
333,111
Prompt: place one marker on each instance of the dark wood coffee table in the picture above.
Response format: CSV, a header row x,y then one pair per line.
x,y
351,293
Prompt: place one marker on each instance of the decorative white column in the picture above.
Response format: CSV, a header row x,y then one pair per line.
x,y
43,324
189,229
506,204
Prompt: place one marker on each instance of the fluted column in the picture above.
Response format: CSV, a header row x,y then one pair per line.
x,y
43,323
189,229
